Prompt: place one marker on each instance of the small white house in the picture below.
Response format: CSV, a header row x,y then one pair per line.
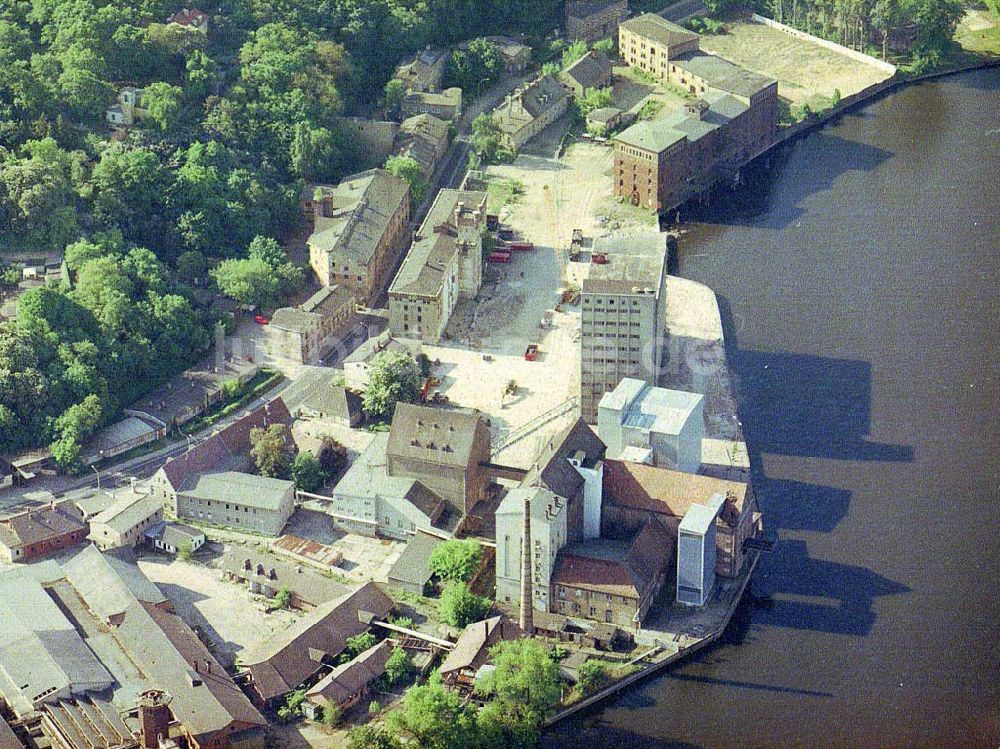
x,y
171,537
696,552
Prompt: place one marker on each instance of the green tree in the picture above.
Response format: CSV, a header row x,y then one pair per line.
x,y
332,456
394,92
185,552
435,717
76,424
248,281
459,606
456,560
525,686
271,450
372,736
398,667
307,473
471,68
393,377
191,267
162,104
573,52
593,98
282,599
360,643
332,715
605,46
408,170
592,675
38,193
487,139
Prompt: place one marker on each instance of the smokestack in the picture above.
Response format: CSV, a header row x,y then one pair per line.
x,y
154,717
527,614
220,348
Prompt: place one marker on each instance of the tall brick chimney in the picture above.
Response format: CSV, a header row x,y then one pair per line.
x,y
526,620
154,717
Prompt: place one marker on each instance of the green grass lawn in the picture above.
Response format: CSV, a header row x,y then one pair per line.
x,y
501,191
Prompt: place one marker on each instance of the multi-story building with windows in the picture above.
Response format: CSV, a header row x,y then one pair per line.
x,y
622,316
359,231
648,41
299,334
661,163
444,264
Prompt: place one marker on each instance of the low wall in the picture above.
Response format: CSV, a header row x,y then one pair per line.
x,y
886,67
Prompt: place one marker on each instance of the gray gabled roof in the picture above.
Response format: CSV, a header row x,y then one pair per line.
x,y
109,585
650,135
413,565
444,437
722,74
435,244
658,29
244,489
590,71
361,207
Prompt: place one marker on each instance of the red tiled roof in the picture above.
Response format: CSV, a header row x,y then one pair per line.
x,y
189,17
617,568
223,447
661,490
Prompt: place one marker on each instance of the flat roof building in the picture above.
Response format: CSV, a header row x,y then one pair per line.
x,y
653,425
622,319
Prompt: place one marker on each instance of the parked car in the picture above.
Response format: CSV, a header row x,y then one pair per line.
x,y
261,320
531,353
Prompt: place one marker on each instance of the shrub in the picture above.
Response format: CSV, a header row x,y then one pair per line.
x,y
592,676
459,606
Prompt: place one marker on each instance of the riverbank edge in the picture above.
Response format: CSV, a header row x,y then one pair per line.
x,y
870,94
845,106
706,311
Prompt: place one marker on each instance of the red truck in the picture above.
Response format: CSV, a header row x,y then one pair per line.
x,y
499,257
531,353
599,259
522,246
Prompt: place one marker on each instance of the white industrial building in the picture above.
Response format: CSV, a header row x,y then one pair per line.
x,y
696,551
653,425
549,533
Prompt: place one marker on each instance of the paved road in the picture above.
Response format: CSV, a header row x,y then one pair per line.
x,y
118,474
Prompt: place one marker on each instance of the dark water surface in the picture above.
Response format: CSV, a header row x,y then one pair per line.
x,y
860,281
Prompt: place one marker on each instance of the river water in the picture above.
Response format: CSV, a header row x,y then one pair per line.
x,y
860,281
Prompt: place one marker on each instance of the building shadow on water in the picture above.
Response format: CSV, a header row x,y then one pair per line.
x,y
831,156
804,405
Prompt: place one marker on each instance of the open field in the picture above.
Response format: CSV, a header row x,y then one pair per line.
x,y
803,69
227,614
979,32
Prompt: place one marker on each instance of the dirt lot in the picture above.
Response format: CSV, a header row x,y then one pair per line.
x,y
803,69
228,614
557,196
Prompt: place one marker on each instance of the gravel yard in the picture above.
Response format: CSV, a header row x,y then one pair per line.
x,y
227,614
487,340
